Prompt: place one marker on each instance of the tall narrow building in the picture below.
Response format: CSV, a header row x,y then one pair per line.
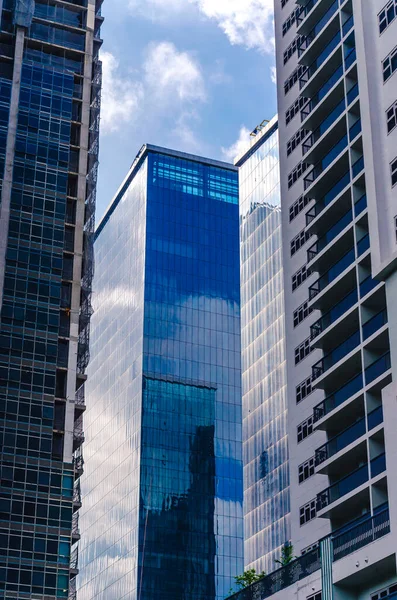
x,y
264,379
162,487
337,92
50,79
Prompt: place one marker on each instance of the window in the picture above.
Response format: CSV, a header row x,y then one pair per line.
x,y
292,48
306,470
318,595
293,78
295,108
387,15
307,512
391,117
299,241
389,65
297,173
303,390
298,206
300,276
385,593
301,313
294,143
293,17
393,169
302,351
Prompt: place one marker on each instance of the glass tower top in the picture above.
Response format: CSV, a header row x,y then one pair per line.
x,y
162,513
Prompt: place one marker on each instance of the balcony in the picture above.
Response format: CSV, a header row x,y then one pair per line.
x,y
314,68
342,487
375,418
74,562
75,527
333,357
78,463
341,441
378,465
323,127
357,167
329,276
374,324
346,391
360,535
352,94
360,205
78,434
350,58
79,399
332,193
378,368
319,26
355,130
363,245
330,235
334,314
326,161
325,87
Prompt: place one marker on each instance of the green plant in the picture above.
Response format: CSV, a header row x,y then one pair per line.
x,y
248,577
287,554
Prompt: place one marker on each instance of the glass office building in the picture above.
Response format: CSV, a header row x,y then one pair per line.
x,y
265,449
162,514
50,80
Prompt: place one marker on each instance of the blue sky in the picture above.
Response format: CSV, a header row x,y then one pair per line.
x,y
193,75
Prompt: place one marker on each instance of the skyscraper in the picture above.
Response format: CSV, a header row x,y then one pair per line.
x,y
265,449
50,80
162,513
336,63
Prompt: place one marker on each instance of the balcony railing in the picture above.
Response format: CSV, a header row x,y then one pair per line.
x,y
74,559
377,368
333,357
325,125
323,91
360,535
350,58
355,130
75,524
332,315
357,167
332,273
363,245
310,37
342,487
374,324
337,398
375,418
325,162
360,205
378,465
331,234
367,285
321,58
352,94
344,439
347,25
282,578
327,199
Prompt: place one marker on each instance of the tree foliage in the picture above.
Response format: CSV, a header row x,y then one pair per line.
x,y
287,554
248,577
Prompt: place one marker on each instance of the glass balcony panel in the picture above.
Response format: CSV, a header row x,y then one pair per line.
x,y
377,368
330,235
325,125
358,166
326,161
378,465
368,285
355,130
333,357
310,37
375,418
337,188
347,25
363,245
374,324
338,397
344,439
360,205
342,487
352,94
360,535
322,92
332,315
350,58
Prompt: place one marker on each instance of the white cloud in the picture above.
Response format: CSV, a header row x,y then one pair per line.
x,y
245,22
240,145
121,98
273,75
171,73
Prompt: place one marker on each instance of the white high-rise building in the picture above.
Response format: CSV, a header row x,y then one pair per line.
x,y
337,107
